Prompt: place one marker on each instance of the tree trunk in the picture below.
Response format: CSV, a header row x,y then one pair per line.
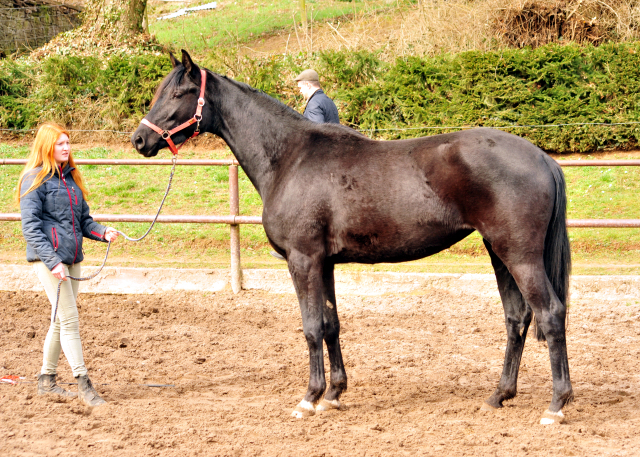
x,y
114,19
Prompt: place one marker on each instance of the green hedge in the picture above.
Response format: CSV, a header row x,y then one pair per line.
x,y
548,85
81,92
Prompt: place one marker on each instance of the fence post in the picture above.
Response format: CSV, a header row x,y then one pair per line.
x,y
234,204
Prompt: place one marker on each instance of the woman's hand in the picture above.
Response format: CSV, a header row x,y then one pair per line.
x,y
58,272
111,234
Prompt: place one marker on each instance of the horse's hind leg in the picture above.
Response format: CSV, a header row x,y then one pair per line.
x,y
550,315
338,376
517,319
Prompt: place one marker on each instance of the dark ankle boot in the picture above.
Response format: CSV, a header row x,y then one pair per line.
x,y
87,393
47,385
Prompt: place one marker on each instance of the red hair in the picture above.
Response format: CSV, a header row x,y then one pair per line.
x,y
42,156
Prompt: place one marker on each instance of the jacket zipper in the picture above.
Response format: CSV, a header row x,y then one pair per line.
x,y
73,219
54,236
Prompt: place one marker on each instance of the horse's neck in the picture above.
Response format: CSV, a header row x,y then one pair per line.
x,y
259,134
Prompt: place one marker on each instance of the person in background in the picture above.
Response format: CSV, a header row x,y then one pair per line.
x,y
55,219
319,108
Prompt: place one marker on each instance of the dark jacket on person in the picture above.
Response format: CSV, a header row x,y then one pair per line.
x,y
321,108
55,217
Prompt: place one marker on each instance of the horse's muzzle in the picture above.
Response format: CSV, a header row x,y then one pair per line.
x,y
139,142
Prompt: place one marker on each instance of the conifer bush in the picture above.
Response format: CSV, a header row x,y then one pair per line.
x,y
518,90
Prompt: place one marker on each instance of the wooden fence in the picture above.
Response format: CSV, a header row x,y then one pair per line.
x,y
234,219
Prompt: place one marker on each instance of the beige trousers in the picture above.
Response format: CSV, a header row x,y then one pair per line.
x,y
64,333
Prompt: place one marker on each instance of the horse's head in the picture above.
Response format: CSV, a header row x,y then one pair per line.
x,y
174,103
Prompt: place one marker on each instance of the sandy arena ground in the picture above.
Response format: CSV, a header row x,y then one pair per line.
x,y
419,368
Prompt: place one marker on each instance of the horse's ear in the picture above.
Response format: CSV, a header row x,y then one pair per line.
x,y
192,68
174,61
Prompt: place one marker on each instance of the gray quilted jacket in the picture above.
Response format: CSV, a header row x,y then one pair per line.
x,y
321,109
55,217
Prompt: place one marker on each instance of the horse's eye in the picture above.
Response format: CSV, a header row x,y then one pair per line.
x,y
178,94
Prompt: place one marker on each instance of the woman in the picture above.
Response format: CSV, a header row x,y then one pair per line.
x,y
55,218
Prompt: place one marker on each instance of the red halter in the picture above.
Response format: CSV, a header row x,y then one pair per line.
x,y
166,134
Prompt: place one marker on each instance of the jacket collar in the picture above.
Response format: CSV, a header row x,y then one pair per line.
x,y
66,169
319,91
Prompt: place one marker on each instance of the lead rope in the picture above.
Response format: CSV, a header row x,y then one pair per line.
x,y
86,278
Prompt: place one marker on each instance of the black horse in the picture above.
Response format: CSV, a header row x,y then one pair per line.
x,y
332,195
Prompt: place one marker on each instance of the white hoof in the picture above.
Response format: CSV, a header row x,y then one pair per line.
x,y
487,407
326,405
304,409
549,418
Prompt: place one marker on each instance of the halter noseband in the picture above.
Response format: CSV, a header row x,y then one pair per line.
x,y
166,134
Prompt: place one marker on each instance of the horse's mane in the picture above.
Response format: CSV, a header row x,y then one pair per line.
x,y
286,110
277,104
174,78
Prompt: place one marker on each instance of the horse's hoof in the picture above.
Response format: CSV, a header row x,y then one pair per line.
x,y
550,418
487,407
304,409
326,405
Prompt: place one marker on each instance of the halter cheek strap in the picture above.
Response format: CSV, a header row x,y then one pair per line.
x,y
166,134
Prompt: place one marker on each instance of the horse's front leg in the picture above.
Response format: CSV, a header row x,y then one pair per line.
x,y
306,273
338,378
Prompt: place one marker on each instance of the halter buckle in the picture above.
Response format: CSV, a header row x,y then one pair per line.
x,y
165,134
201,101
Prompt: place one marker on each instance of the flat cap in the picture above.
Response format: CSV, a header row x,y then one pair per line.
x,y
308,75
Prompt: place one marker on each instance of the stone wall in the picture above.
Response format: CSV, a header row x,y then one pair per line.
x,y
28,24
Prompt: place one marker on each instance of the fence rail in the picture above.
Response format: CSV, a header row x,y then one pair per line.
x,y
599,163
220,162
194,162
234,219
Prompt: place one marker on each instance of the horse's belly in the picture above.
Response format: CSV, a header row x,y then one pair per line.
x,y
401,247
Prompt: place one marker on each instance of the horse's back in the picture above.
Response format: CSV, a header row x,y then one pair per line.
x,y
471,168
404,199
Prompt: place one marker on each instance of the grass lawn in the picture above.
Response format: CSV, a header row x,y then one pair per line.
x,y
237,22
594,192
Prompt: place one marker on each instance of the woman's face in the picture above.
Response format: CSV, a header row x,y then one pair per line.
x,y
61,149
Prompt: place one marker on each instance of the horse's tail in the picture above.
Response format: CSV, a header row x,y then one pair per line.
x,y
557,253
